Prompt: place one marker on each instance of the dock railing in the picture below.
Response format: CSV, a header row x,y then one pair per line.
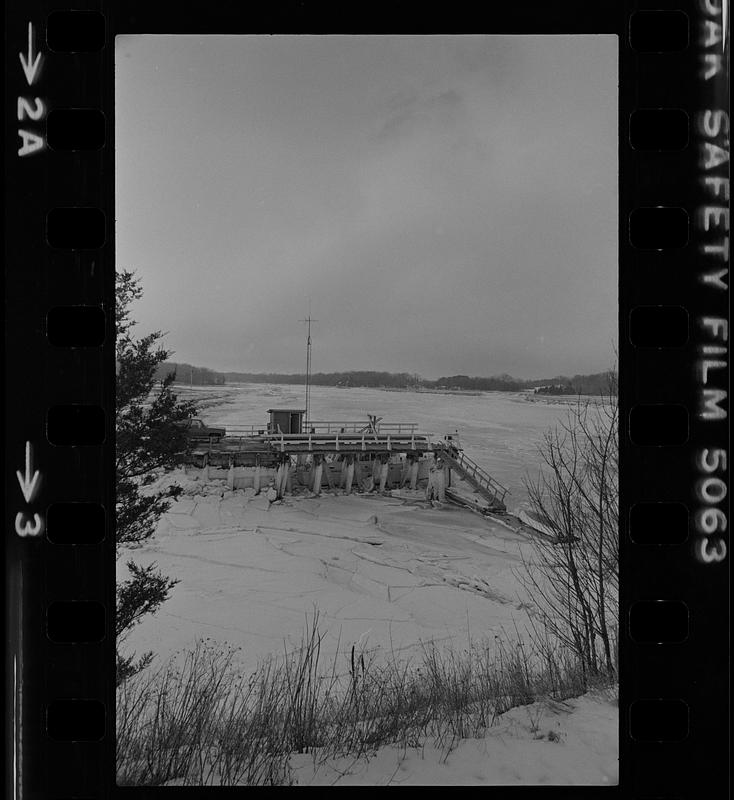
x,y
332,436
329,427
235,431
474,472
364,440
360,426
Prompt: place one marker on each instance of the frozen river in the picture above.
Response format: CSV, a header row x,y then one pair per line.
x,y
394,571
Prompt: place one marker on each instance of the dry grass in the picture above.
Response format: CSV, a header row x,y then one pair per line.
x,y
196,721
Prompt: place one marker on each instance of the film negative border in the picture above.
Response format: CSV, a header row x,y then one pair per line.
x,y
674,371
59,427
673,326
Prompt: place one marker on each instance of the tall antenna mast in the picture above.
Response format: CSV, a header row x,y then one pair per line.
x,y
308,321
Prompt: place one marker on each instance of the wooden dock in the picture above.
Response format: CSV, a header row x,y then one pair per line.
x,y
377,447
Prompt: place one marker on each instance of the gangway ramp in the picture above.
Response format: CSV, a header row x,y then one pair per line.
x,y
477,477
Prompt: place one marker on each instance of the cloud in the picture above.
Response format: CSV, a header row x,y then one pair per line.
x,y
445,201
408,111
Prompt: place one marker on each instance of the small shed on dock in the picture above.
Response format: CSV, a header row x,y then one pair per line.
x,y
286,420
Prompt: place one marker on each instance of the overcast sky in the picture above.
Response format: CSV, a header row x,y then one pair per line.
x,y
447,203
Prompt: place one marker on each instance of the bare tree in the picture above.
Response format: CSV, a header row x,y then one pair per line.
x,y
572,577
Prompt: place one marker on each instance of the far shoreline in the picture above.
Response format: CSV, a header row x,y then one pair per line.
x,y
524,395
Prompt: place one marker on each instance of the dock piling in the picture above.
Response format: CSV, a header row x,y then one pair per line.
x,y
318,471
327,473
282,480
350,475
256,479
384,471
414,474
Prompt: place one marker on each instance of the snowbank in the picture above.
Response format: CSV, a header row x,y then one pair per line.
x,y
550,743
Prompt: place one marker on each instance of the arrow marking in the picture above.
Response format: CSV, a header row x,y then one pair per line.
x,y
30,65
28,484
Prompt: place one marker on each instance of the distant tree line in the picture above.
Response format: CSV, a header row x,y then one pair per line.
x,y
501,383
595,384
368,378
599,383
187,373
555,388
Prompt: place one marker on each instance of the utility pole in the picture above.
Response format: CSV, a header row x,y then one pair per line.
x,y
308,321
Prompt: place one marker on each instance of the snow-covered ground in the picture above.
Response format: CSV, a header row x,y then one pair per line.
x,y
549,743
389,571
385,572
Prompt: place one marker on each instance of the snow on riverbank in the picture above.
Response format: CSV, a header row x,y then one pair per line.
x,y
573,742
548,743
